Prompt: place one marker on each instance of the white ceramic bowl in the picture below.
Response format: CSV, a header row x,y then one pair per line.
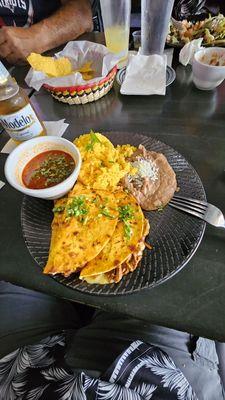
x,y
205,76
24,152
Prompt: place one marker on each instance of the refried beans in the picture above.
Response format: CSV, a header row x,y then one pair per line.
x,y
154,183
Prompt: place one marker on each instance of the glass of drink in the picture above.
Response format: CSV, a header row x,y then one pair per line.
x,y
116,20
155,18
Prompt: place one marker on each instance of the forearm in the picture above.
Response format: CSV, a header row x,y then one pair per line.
x,y
70,21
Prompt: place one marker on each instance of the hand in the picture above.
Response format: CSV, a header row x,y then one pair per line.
x,y
17,43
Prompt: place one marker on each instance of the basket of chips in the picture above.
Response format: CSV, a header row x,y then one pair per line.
x,y
83,94
81,73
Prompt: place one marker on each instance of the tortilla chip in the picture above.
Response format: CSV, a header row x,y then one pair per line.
x,y
49,65
86,71
119,247
78,239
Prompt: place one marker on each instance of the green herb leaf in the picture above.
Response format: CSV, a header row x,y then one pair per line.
x,y
94,139
106,213
126,213
127,230
77,208
58,209
96,200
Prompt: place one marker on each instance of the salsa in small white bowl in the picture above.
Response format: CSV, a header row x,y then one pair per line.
x,y
46,167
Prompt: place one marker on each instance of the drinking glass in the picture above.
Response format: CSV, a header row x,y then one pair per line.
x,y
116,21
155,18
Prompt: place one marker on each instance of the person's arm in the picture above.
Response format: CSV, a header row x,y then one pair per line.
x,y
72,19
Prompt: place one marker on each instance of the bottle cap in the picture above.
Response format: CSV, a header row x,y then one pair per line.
x,y
4,74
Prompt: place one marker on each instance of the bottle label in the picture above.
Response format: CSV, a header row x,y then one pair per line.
x,y
22,125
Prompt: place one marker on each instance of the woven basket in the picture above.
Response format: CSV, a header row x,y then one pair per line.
x,y
83,94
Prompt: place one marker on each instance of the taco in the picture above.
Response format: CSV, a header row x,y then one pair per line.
x,y
82,226
123,251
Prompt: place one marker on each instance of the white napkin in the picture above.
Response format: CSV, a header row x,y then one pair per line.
x,y
53,128
188,51
145,75
167,52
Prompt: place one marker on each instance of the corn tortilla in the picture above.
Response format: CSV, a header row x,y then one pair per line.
x,y
119,247
74,243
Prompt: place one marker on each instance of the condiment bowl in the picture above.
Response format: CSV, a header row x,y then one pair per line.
x,y
206,76
26,151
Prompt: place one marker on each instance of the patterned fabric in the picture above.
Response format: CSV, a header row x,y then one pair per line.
x,y
142,372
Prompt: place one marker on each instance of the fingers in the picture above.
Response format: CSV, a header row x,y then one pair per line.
x,y
2,36
5,50
15,44
13,58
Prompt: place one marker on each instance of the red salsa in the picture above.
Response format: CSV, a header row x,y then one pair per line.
x,y
47,169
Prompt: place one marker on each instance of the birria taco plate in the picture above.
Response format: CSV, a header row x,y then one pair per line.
x,y
114,232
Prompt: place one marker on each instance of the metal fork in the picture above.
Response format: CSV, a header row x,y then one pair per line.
x,y
200,209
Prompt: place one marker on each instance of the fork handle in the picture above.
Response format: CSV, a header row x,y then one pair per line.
x,y
222,225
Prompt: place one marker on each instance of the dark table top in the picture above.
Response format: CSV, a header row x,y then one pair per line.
x,y
192,122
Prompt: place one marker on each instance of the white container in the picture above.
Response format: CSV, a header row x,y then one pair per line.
x,y
19,158
205,76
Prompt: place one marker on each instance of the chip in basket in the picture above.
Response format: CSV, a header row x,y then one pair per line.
x,y
81,73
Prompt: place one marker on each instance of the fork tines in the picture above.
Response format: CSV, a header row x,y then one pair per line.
x,y
196,207
189,200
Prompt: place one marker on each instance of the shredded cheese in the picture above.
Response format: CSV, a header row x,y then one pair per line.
x,y
146,169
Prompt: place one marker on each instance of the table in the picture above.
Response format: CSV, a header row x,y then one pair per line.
x,y
191,121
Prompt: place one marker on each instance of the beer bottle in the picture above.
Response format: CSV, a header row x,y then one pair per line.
x,y
17,115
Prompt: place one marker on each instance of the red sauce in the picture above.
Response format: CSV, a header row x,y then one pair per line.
x,y
47,169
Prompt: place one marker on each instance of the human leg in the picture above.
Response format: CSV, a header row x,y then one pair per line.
x,y
96,346
220,348
27,316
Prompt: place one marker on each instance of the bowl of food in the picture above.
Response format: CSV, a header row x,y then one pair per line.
x,y
81,73
209,68
44,167
211,30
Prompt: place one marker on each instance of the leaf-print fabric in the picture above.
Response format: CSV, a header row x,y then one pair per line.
x,y
142,372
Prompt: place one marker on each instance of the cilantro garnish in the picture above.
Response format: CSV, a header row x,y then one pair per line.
x,y
106,213
127,230
58,209
94,139
96,200
126,213
77,208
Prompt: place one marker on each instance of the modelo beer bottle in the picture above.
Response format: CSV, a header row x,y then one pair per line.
x,y
17,115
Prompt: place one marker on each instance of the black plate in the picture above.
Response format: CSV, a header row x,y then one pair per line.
x,y
174,236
